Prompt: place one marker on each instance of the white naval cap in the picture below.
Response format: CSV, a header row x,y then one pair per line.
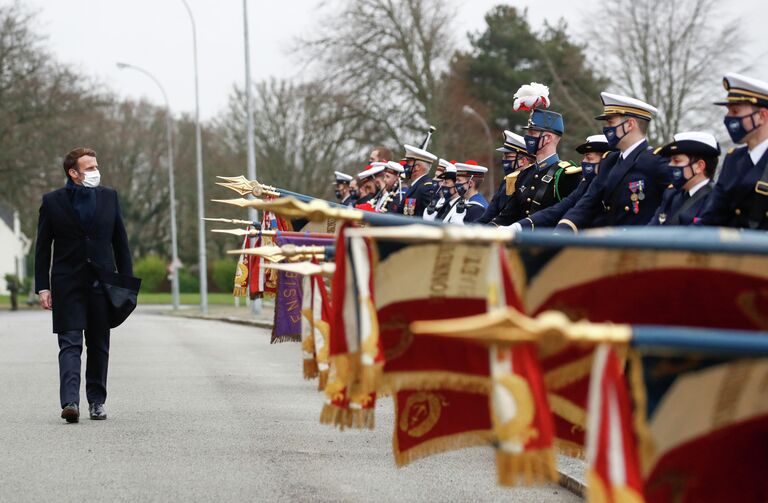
x,y
470,168
743,89
342,177
594,143
419,154
373,170
394,166
443,164
692,143
449,172
616,104
513,143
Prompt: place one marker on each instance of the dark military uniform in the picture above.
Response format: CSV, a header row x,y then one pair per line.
x,y
740,196
498,201
417,197
626,192
348,201
679,208
549,217
538,188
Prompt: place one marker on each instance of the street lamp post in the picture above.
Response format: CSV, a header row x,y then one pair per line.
x,y
171,184
468,110
251,162
199,157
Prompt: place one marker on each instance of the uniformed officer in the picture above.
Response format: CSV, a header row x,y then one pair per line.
x,y
342,188
693,159
367,184
547,182
515,160
469,177
630,183
740,196
452,207
592,151
418,162
390,194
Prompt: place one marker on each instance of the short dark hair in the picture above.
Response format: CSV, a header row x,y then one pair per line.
x,y
70,160
642,125
384,153
710,164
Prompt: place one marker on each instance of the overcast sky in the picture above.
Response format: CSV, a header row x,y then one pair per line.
x,y
156,35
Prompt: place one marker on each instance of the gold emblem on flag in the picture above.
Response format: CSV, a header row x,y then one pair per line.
x,y
421,412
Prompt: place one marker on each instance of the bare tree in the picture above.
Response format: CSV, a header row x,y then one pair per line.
x,y
303,132
670,54
388,57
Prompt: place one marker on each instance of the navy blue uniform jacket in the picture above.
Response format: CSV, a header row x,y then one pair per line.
x,y
608,200
734,195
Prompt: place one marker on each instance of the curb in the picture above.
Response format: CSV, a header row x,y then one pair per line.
x,y
565,481
572,484
226,319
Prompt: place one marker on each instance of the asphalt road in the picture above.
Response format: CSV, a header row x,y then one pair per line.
x,y
206,411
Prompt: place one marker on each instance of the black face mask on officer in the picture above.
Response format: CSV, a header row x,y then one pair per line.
x,y
354,194
338,193
408,170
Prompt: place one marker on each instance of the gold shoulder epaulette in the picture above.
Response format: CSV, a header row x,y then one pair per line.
x,y
730,150
510,180
565,164
572,170
656,152
606,154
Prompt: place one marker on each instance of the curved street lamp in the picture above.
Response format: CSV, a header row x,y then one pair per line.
x,y
171,184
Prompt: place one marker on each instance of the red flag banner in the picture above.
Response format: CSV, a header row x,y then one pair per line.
x,y
429,422
614,473
703,426
714,290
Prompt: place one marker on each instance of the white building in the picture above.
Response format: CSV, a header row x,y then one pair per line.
x,y
14,247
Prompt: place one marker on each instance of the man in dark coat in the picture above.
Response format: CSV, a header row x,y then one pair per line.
x,y
83,223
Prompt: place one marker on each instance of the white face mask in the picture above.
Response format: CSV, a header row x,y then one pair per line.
x,y
92,179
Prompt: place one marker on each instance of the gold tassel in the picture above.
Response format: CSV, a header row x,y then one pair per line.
x,y
322,380
526,468
310,369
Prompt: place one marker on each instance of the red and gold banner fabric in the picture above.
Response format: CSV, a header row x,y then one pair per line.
x,y
429,422
614,474
714,290
703,427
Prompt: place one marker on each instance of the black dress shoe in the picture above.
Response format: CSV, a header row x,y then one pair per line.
x,y
71,412
97,411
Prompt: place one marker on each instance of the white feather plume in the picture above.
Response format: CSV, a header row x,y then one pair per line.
x,y
530,96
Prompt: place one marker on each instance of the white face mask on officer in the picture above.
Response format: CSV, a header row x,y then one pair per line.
x,y
92,179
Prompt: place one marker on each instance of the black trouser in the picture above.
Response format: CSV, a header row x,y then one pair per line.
x,y
97,348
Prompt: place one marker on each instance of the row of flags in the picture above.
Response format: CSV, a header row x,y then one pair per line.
x,y
643,352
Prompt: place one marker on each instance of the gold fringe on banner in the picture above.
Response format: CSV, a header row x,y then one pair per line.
x,y
440,445
598,493
645,445
310,368
347,418
240,291
322,380
568,373
526,468
568,448
392,382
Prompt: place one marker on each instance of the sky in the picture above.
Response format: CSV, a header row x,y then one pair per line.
x,y
93,35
